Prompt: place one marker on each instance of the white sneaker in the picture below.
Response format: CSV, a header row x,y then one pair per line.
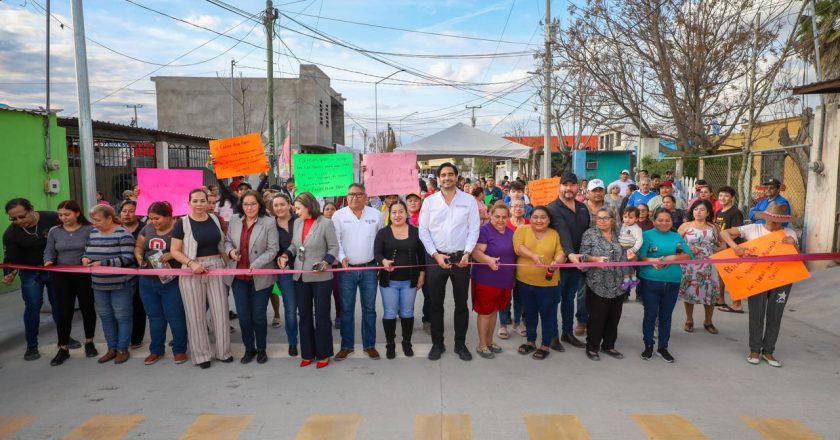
x,y
772,362
752,360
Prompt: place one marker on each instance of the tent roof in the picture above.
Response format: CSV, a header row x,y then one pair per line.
x,y
461,140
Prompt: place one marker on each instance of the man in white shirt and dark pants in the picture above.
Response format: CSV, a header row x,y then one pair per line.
x,y
449,225
356,226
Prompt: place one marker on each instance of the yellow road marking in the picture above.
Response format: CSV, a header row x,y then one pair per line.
x,y
10,425
773,428
668,427
555,428
329,427
443,427
104,428
209,426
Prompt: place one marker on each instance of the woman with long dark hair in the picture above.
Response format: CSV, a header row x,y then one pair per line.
x,y
700,282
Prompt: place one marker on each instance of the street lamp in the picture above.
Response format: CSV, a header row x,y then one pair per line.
x,y
401,119
376,105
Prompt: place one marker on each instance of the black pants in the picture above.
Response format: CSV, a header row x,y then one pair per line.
x,y
138,321
315,336
604,314
427,304
68,287
436,279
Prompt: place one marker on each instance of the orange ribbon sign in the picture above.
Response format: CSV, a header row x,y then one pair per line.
x,y
544,191
745,280
238,156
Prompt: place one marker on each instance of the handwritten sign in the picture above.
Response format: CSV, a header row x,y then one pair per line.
x,y
173,186
391,173
238,156
745,280
544,191
323,175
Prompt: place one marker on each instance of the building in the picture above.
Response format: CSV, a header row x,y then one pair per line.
x,y
588,142
617,139
205,106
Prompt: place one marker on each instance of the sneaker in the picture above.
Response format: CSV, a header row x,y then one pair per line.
x,y
463,352
276,323
90,350
665,355
634,283
436,351
343,354
648,353
60,357
485,352
31,354
495,348
772,361
626,284
74,344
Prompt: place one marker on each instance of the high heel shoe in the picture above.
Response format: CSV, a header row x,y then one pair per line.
x,y
305,363
322,363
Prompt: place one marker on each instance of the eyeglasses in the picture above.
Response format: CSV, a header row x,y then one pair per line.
x,y
603,219
355,195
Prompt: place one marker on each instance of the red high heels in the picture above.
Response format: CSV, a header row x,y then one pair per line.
x,y
305,363
322,363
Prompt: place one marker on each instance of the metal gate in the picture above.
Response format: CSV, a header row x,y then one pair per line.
x,y
116,164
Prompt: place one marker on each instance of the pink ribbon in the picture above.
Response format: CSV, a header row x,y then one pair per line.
x,y
107,270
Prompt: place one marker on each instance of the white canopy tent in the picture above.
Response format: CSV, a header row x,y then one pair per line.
x,y
461,140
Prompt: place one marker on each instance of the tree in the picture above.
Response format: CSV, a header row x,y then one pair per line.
x,y
484,167
828,38
673,68
391,144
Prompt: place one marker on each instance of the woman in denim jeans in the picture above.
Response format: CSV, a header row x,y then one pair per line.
x,y
161,295
112,245
399,244
281,207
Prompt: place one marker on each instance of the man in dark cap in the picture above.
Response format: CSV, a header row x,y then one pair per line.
x,y
771,196
570,218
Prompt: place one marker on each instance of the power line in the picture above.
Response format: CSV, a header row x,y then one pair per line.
x,y
504,28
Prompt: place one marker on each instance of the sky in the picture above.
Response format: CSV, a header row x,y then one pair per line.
x,y
144,44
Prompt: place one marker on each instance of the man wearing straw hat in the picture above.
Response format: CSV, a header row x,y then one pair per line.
x,y
765,308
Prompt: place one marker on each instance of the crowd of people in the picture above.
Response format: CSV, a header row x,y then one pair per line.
x,y
485,239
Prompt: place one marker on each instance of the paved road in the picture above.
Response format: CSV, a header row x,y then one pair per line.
x,y
710,392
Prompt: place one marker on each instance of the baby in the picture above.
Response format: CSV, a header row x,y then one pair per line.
x,y
630,239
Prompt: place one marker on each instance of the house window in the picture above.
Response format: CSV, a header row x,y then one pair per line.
x,y
773,165
321,111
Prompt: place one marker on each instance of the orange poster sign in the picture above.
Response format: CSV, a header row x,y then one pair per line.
x,y
544,191
747,279
238,156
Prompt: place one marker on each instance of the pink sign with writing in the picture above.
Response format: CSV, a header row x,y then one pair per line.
x,y
173,186
391,173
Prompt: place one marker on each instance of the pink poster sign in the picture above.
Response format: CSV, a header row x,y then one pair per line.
x,y
173,186
391,173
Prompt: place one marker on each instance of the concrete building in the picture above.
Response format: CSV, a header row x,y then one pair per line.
x,y
205,106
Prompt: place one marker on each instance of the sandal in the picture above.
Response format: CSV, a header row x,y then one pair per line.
x,y
276,323
540,354
728,308
526,348
520,330
710,328
689,326
720,305
503,333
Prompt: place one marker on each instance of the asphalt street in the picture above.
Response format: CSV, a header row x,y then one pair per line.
x,y
710,392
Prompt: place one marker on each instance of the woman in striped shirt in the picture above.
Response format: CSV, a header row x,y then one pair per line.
x,y
110,244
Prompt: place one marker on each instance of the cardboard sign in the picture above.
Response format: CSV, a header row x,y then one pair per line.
x,y
745,280
238,156
544,191
173,186
323,175
391,173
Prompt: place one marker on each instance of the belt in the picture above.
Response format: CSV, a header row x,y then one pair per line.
x,y
369,263
453,255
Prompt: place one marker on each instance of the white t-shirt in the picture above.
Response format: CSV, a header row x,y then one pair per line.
x,y
355,235
753,231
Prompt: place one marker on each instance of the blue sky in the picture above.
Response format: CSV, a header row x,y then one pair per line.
x,y
153,38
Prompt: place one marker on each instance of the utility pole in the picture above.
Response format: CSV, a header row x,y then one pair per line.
x,y
546,166
376,109
406,116
270,16
134,122
472,107
232,65
48,119
83,93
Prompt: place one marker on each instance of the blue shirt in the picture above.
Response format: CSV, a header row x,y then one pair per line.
x,y
761,206
497,194
661,244
637,198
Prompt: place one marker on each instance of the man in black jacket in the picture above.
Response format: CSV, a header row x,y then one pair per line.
x,y
570,218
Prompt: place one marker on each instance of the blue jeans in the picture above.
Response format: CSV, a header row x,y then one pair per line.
x,y
251,305
287,289
565,295
115,309
348,282
504,315
659,299
32,283
164,306
581,313
398,296
539,304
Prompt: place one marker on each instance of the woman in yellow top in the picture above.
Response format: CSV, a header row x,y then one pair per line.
x,y
537,245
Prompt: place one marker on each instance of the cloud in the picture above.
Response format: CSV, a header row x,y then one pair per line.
x,y
208,21
468,72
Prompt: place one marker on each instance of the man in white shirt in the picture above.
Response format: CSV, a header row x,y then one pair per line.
x,y
624,181
356,226
449,225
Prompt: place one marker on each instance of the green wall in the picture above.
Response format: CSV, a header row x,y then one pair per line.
x,y
610,164
22,159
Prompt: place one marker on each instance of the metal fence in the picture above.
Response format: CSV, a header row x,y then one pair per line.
x,y
116,163
191,157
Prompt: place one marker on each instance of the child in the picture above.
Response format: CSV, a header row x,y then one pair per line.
x,y
630,239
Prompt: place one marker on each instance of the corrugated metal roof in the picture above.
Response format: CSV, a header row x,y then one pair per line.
x,y
33,111
64,121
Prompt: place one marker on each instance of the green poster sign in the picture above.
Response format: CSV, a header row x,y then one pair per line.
x,y
323,175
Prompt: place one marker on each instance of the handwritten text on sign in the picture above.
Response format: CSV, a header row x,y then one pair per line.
x,y
173,186
744,280
238,156
544,191
391,173
323,175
